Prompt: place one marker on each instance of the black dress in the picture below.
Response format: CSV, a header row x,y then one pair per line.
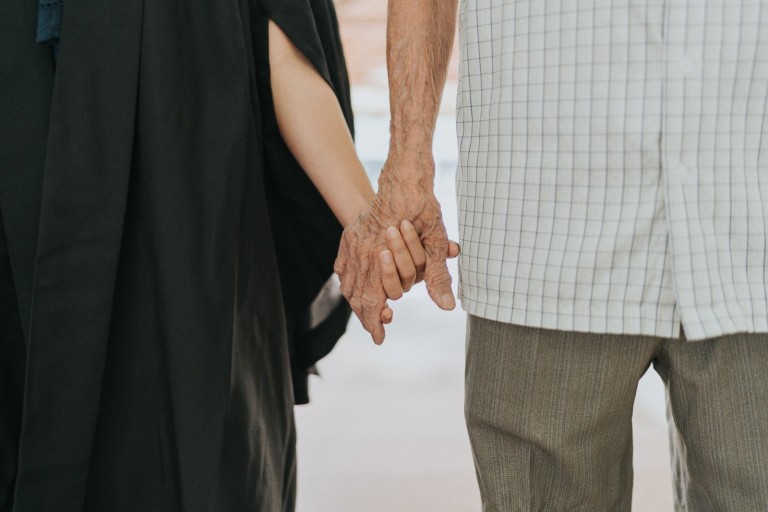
x,y
147,366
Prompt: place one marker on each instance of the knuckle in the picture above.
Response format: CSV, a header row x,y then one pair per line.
x,y
346,288
437,249
437,277
369,302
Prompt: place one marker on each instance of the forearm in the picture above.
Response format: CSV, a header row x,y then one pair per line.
x,y
420,35
419,40
313,126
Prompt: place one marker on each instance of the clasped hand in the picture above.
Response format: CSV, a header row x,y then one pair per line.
x,y
400,241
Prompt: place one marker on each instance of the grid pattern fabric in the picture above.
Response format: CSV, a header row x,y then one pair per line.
x,y
613,169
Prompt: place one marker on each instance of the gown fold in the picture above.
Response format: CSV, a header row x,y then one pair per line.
x,y
162,318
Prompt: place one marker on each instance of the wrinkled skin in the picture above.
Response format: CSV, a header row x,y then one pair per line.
x,y
359,264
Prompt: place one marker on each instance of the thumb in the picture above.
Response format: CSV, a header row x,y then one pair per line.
x,y
454,249
438,281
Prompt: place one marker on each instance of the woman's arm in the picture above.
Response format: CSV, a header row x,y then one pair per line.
x,y
313,126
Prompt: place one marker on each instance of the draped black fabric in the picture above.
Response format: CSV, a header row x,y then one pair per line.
x,y
302,223
26,79
158,372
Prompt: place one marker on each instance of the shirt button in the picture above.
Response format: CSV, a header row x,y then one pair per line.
x,y
686,65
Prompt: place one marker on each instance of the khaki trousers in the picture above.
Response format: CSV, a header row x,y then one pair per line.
x,y
549,415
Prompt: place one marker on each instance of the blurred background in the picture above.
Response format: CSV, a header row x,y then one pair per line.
x,y
385,429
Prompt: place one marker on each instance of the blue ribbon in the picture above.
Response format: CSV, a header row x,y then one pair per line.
x,y
49,23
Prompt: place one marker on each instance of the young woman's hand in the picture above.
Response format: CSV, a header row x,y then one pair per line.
x,y
404,261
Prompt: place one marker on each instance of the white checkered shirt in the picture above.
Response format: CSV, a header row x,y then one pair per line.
x,y
613,170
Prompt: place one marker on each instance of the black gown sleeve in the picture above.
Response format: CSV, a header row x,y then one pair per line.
x,y
305,230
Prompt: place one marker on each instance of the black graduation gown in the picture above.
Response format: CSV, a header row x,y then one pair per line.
x,y
157,351
302,223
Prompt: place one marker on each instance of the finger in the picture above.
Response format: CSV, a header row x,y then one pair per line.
x,y
371,298
454,249
438,281
345,268
390,279
387,315
371,313
436,274
406,269
415,247
378,334
340,265
347,285
372,320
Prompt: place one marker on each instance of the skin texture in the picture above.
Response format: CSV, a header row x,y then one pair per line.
x,y
419,41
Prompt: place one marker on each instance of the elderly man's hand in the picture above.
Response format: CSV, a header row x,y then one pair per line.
x,y
364,245
404,264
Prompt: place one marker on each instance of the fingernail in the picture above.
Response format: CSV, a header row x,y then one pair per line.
x,y
448,300
392,232
386,257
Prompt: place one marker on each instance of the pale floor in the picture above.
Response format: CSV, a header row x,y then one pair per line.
x,y
385,431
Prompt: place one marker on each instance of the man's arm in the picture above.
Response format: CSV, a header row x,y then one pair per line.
x,y
420,36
